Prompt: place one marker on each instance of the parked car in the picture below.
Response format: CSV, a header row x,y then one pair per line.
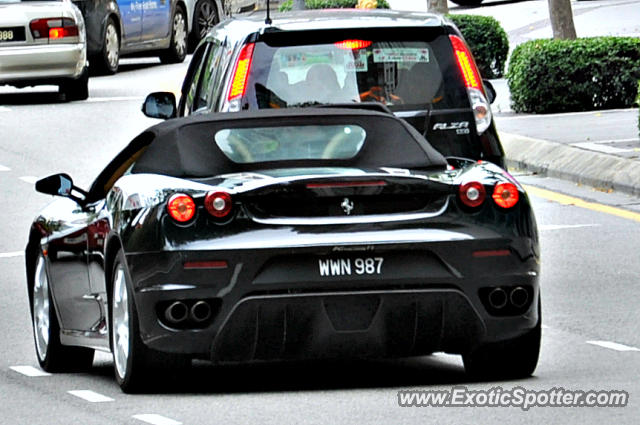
x,y
117,28
284,234
417,65
44,43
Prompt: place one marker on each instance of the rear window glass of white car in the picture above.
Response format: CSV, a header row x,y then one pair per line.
x,y
404,74
290,143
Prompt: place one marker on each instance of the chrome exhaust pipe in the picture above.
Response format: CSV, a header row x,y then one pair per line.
x,y
177,312
498,298
200,312
519,297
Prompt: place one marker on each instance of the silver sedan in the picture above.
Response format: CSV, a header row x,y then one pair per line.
x,y
44,42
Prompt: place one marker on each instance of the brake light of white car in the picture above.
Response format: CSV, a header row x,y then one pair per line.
x,y
53,28
473,83
352,44
240,77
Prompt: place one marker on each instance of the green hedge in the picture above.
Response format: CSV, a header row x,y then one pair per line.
x,y
487,40
638,105
329,4
574,75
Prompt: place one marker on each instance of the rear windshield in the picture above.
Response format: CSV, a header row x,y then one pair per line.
x,y
402,74
213,144
288,143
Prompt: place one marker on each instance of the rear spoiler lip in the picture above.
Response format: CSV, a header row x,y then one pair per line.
x,y
331,181
360,219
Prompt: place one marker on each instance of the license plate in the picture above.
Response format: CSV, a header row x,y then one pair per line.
x,y
350,266
8,35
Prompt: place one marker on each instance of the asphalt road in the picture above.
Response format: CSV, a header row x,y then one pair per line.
x,y
613,132
589,278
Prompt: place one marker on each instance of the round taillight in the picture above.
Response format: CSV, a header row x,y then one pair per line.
x,y
181,207
472,194
218,204
506,195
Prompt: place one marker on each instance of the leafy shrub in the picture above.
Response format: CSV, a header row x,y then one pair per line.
x,y
329,4
638,105
487,40
574,75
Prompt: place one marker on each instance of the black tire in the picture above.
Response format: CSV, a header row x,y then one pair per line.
x,y
52,355
76,89
513,359
177,50
131,373
106,62
467,2
205,16
135,374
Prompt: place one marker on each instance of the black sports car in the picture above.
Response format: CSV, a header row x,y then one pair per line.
x,y
285,234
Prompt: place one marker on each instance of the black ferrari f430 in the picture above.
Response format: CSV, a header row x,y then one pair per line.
x,y
284,235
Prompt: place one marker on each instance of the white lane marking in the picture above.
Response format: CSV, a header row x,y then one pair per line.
x,y
635,139
154,419
600,148
29,371
3,168
90,396
564,226
11,254
114,99
613,346
29,179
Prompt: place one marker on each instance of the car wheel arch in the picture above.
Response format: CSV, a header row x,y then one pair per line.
x,y
31,259
113,246
111,11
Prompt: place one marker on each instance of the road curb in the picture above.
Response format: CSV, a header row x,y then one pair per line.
x,y
600,170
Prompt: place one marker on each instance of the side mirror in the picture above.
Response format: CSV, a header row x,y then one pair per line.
x,y
160,105
59,185
490,90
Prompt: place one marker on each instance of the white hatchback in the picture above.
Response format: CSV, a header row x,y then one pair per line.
x,y
44,42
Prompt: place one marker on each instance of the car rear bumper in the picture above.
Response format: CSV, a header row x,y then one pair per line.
x,y
42,63
265,307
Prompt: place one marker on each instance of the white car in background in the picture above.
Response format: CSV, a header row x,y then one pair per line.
x,y
44,42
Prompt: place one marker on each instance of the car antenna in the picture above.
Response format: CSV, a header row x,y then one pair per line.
x,y
268,21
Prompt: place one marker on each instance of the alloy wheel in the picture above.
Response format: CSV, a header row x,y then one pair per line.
x,y
112,46
41,324
120,323
206,18
179,34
